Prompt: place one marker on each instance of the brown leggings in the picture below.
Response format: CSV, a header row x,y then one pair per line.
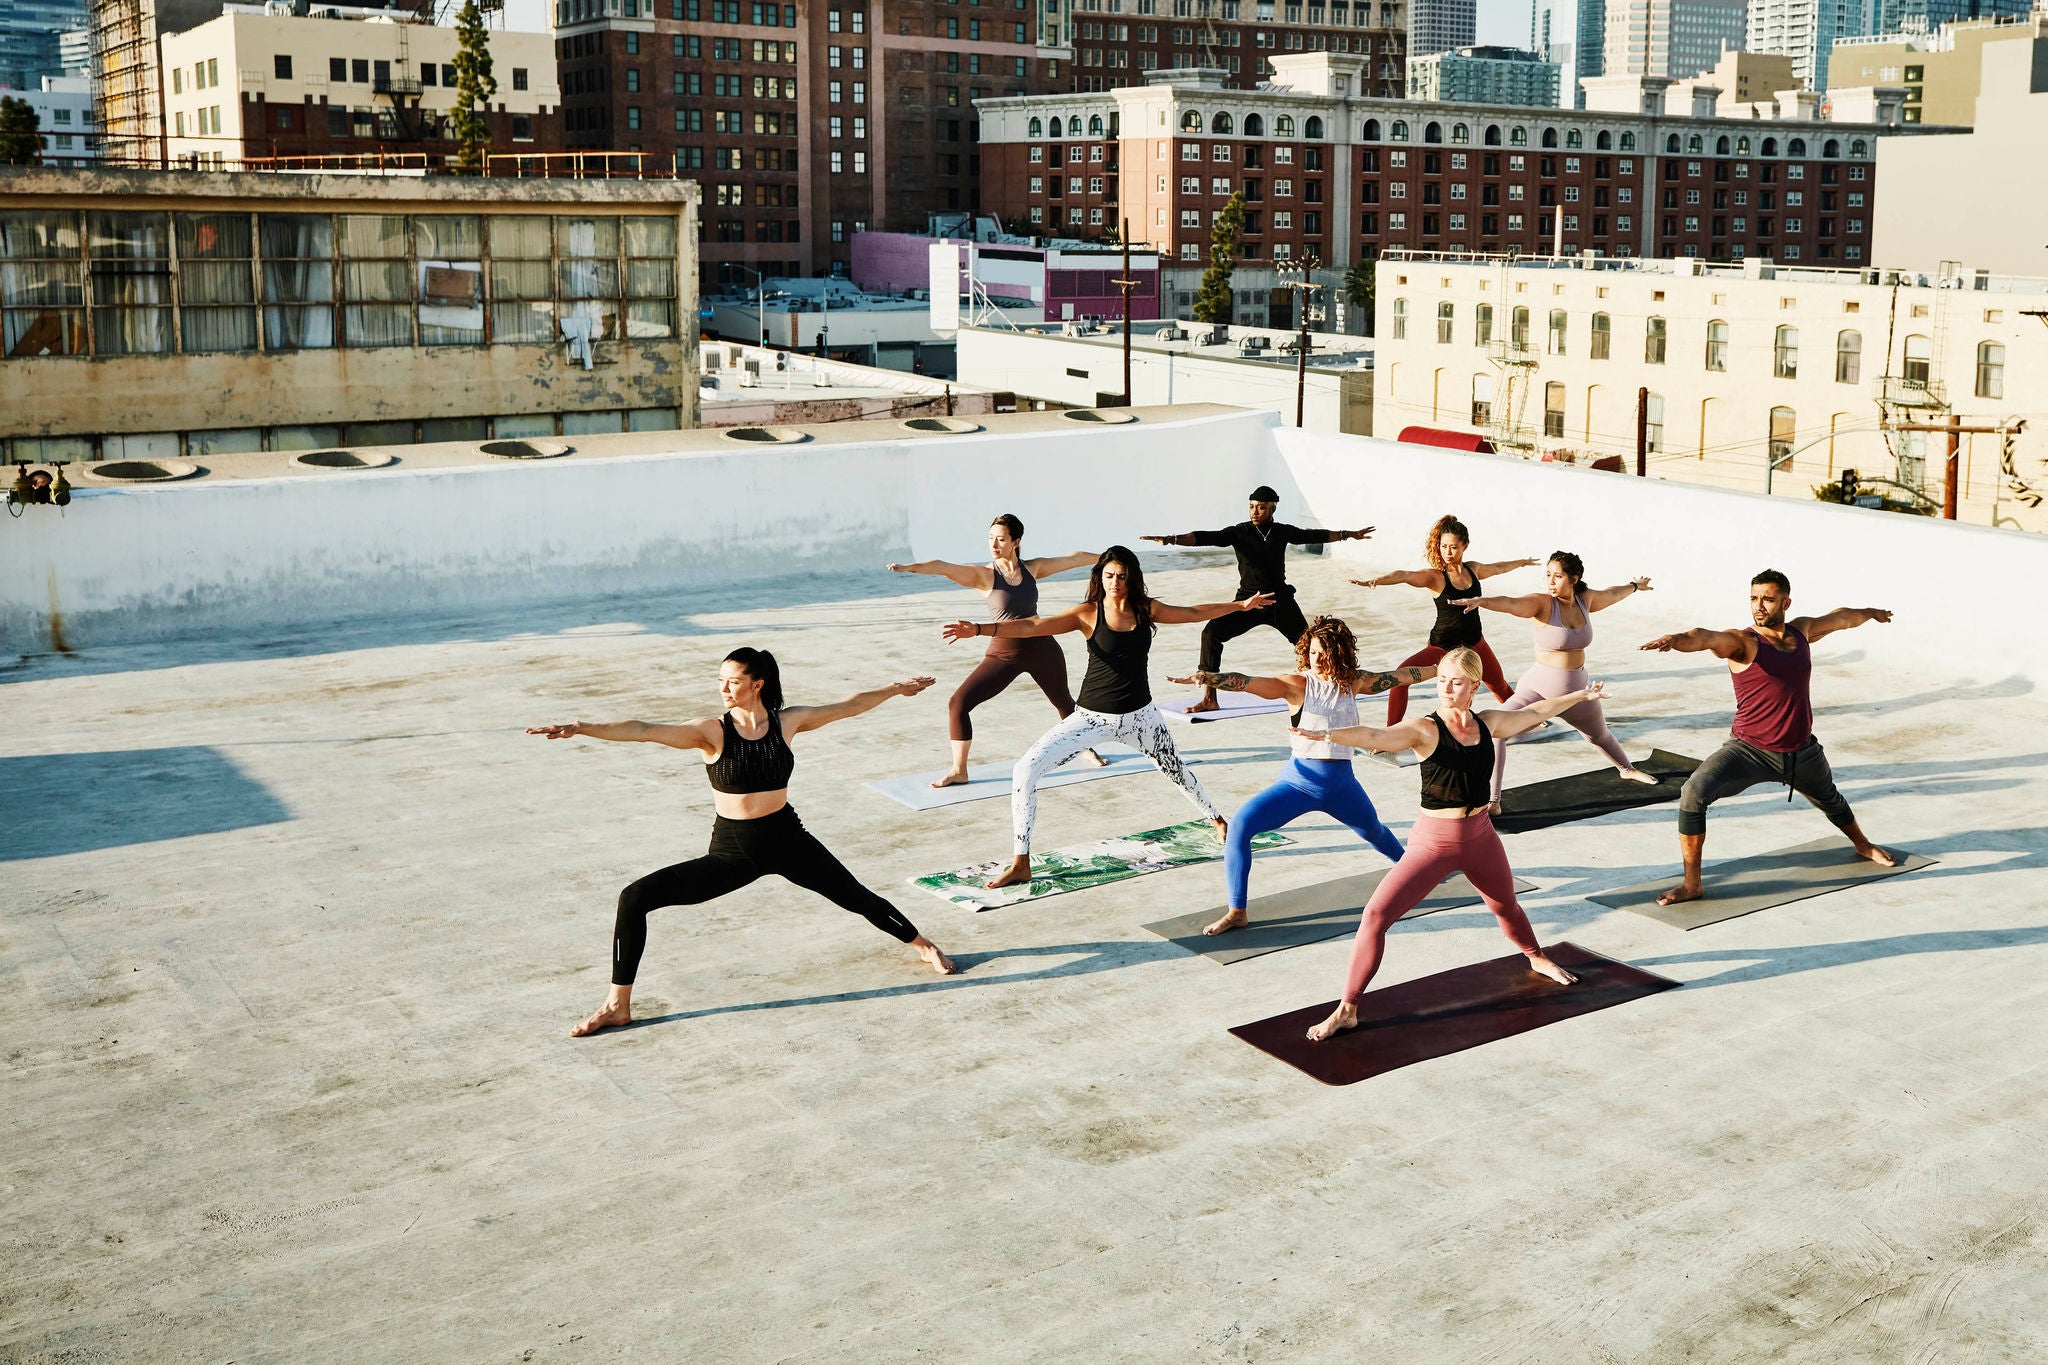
x,y
1040,656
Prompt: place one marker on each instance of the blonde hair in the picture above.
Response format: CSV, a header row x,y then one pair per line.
x,y
1465,663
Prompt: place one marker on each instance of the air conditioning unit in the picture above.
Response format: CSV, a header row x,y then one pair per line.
x,y
1259,343
1218,336
1173,334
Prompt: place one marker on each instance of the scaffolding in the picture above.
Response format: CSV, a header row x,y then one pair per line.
x,y
126,86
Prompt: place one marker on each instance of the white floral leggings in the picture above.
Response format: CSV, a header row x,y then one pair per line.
x,y
1144,730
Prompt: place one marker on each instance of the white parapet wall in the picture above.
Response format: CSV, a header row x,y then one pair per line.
x,y
226,554
1962,593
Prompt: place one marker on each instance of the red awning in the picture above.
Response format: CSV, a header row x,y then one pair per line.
x,y
1449,440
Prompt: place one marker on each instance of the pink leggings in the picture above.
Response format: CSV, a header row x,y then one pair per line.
x,y
1397,698
1437,849
1543,682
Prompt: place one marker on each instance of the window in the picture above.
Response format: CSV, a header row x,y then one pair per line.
x,y
1848,357
131,282
1785,354
1482,324
1654,334
1990,370
1717,346
1784,422
42,287
1446,317
217,284
1482,399
281,66
337,70
1557,332
1518,330
1400,320
1653,422
1553,409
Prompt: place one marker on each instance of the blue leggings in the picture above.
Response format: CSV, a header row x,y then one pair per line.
x,y
1307,784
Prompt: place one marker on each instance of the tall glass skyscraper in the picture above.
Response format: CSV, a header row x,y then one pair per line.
x,y
1573,34
28,38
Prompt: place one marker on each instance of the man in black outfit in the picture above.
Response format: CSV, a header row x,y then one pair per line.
x,y
1261,546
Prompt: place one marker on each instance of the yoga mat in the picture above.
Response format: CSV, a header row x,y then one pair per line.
x,y
1434,1016
1307,914
988,780
1235,706
1097,864
1587,796
1747,885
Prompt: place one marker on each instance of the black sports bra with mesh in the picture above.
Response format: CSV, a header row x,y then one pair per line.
x,y
1458,776
751,765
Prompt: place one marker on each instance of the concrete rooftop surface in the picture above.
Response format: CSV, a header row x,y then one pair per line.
x,y
295,922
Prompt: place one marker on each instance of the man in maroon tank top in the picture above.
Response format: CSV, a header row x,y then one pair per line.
x,y
1771,664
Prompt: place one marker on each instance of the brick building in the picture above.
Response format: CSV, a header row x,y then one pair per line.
x,y
1327,173
1118,43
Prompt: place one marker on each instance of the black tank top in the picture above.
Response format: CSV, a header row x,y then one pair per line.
x,y
1455,627
752,765
1115,682
1458,776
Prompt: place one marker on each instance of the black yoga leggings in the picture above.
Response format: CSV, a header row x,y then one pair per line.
x,y
741,852
1039,656
1284,616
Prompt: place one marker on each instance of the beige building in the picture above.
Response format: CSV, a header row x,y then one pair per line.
x,y
1748,368
1975,195
165,313
254,84
1741,81
1939,71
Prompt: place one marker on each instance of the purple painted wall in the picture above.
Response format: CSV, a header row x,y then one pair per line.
x,y
891,262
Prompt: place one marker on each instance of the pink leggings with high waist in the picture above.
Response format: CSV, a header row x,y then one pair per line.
x,y
1437,850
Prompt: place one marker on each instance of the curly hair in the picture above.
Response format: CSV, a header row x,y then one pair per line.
x,y
1431,555
1340,650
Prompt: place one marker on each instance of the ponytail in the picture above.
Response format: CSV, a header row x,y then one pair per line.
x,y
1431,555
762,668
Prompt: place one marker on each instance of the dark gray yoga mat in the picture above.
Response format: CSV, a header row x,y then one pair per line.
x,y
1307,914
1589,795
1747,885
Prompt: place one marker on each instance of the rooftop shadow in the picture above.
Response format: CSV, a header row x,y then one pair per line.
x,y
80,802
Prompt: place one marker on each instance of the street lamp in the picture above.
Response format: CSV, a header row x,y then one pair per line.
x,y
1296,275
761,303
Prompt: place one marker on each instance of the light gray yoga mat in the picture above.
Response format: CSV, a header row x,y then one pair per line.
x,y
1307,914
1235,706
1747,885
989,780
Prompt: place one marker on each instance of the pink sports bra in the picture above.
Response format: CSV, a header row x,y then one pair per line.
x,y
1555,635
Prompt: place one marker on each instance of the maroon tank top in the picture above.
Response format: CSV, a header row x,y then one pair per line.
x,y
1773,696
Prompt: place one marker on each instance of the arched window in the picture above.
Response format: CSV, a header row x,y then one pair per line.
x,y
1990,370
1654,336
1628,141
1446,322
1254,126
1191,121
1671,146
1742,145
1518,330
1518,136
1695,143
1222,123
1400,320
1717,346
1848,357
1095,125
1283,125
1785,354
1493,135
1550,137
1482,324
1603,336
1312,129
1603,141
1574,138
1432,132
1557,331
1796,147
1919,361
1721,145
1482,400
1831,149
1858,148
1460,133
1553,409
1784,422
1399,132
1074,126
1770,146
1035,128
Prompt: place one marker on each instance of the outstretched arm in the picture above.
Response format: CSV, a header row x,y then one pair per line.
x,y
1073,618
1166,614
1508,724
1722,644
702,735
1599,599
1412,578
1311,535
1500,566
1530,605
1052,564
977,576
1372,738
1370,684
1191,538
1841,618
1286,687
797,719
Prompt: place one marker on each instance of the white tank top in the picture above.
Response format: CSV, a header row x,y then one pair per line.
x,y
1324,706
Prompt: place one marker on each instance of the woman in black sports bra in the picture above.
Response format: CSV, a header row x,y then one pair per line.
x,y
1455,628
757,833
1455,830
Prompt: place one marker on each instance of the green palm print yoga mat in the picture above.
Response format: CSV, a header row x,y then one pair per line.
x,y
1097,864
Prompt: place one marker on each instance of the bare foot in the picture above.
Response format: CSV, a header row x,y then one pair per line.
x,y
1881,857
1343,1017
1208,703
1093,759
609,1016
1232,919
1018,872
1543,966
1636,775
951,780
1683,892
1222,828
935,959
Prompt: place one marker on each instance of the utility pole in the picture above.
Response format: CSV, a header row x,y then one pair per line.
x,y
1642,433
1305,288
1955,431
1124,287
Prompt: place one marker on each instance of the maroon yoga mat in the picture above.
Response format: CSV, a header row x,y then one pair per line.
x,y
1434,1016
